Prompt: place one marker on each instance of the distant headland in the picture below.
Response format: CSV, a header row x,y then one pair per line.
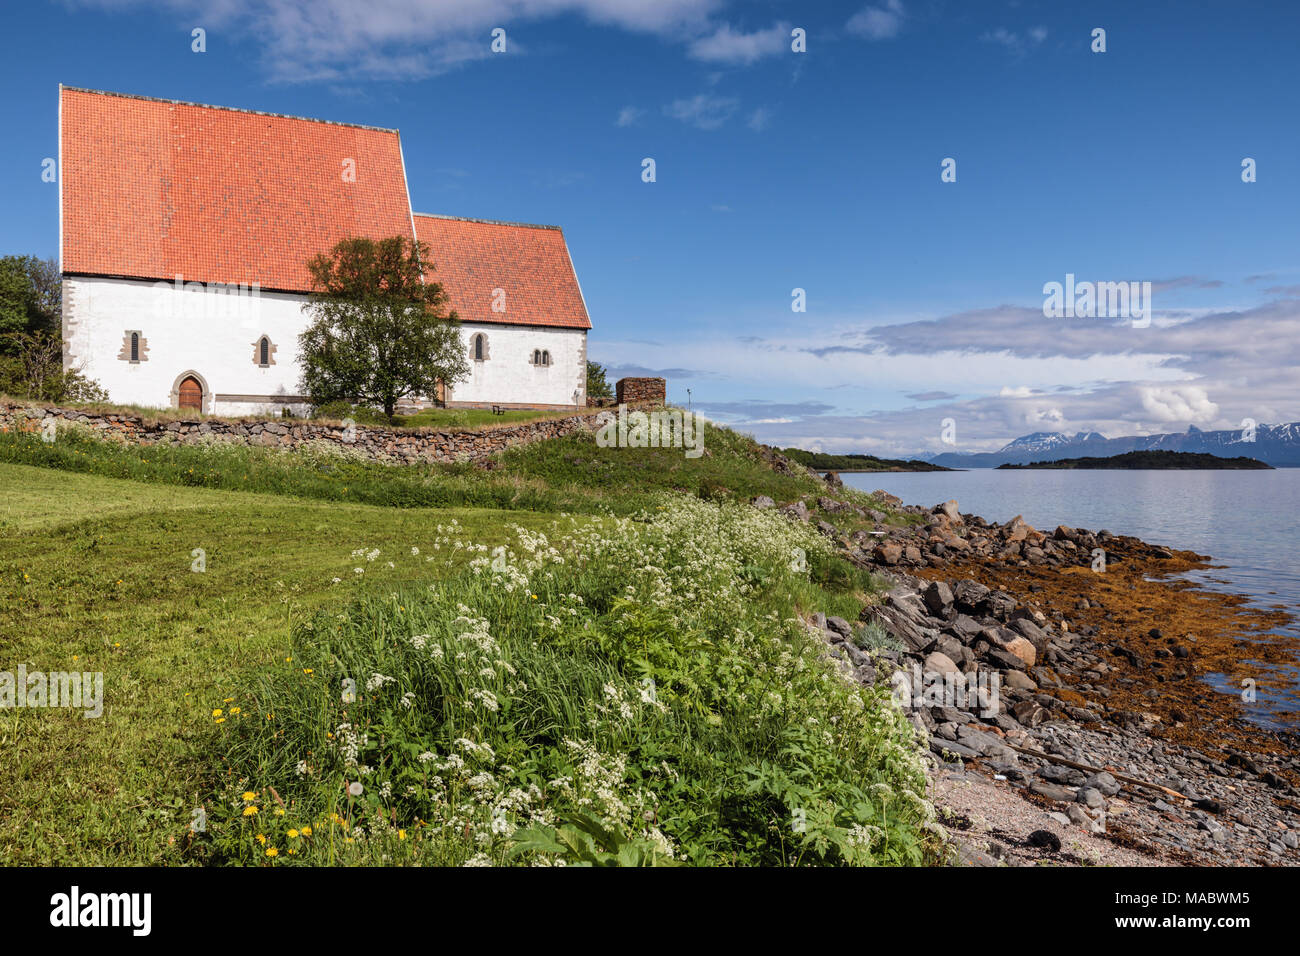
x,y
1144,460
822,462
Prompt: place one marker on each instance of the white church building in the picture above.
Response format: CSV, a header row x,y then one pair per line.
x,y
185,232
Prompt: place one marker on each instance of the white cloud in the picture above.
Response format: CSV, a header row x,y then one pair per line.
x,y
877,23
1016,42
312,40
726,45
1181,403
704,110
628,115
759,119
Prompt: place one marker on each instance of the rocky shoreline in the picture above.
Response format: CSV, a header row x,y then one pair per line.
x,y
1059,679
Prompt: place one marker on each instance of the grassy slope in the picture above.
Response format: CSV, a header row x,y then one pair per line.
x,y
95,575
78,578
566,474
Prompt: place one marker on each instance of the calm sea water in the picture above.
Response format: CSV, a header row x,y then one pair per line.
x,y
1245,520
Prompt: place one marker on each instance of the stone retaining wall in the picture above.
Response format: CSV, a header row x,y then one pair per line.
x,y
389,445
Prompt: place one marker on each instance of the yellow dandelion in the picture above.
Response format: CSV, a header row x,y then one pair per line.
x,y
250,811
220,720
279,811
261,838
249,796
234,711
217,712
293,835
401,834
272,851
306,831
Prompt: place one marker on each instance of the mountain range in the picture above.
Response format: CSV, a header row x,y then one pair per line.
x,y
1277,445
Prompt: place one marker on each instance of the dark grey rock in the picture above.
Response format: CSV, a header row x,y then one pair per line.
x,y
938,599
1046,840
1092,797
1052,791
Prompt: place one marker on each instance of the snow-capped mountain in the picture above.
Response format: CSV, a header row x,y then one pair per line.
x,y
1049,441
1277,445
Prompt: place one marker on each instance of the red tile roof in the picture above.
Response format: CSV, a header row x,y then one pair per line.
x,y
474,257
156,188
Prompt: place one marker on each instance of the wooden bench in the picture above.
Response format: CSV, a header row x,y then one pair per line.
x,y
498,410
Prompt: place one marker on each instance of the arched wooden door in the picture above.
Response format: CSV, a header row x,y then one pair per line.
x,y
191,394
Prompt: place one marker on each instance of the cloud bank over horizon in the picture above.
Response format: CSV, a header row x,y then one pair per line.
x,y
999,373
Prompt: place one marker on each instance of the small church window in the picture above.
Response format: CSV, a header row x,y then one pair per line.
x,y
263,352
135,347
546,358
480,348
537,356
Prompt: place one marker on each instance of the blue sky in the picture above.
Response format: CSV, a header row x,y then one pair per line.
x,y
819,170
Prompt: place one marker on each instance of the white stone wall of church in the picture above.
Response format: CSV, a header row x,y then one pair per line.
x,y
213,334
507,375
201,330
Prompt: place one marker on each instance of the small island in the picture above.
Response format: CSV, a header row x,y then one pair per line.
x,y
819,461
1144,460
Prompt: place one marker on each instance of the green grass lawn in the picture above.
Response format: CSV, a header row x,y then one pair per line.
x,y
97,555
95,575
475,417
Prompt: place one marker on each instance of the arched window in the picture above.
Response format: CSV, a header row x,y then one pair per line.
x,y
135,346
479,349
537,356
263,351
546,358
